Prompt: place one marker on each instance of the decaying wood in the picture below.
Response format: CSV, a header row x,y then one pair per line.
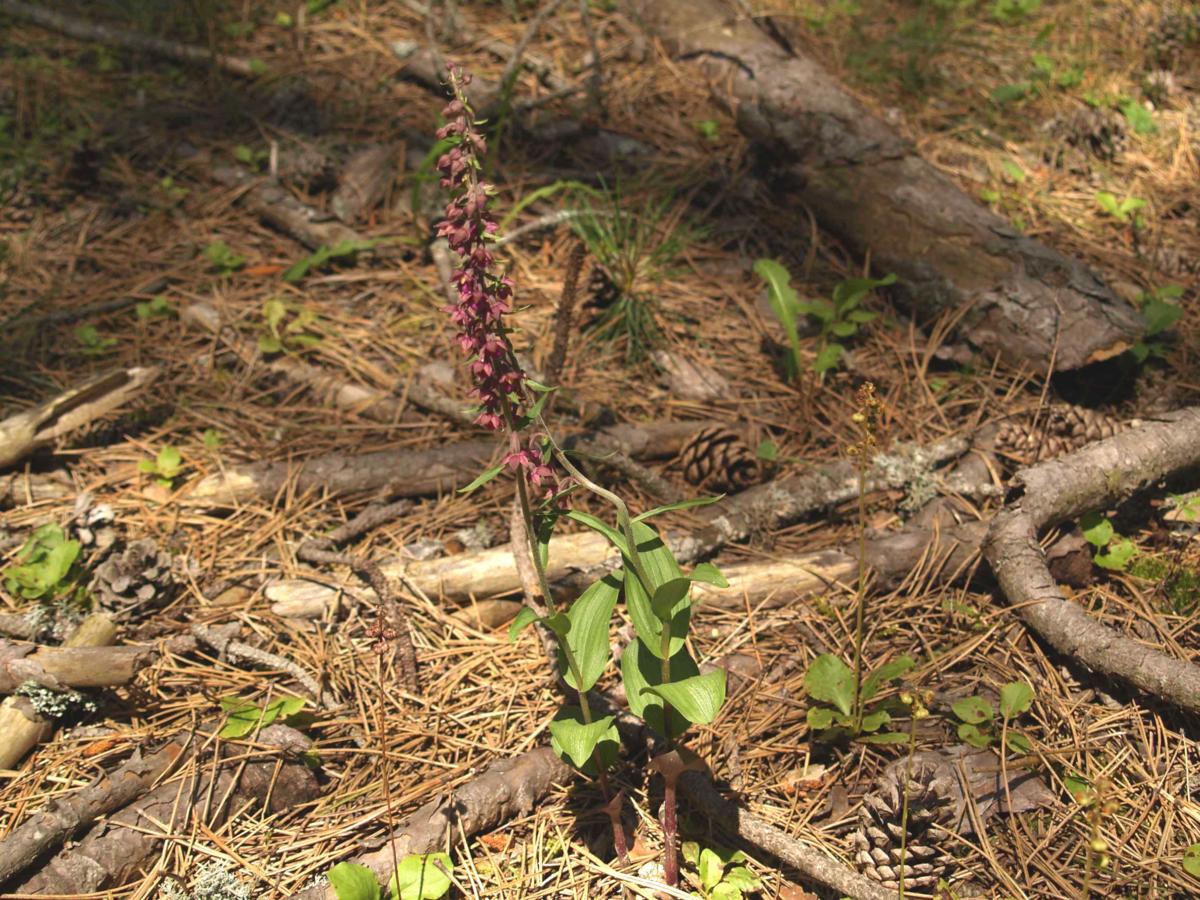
x,y
21,726
68,667
117,849
26,488
1060,490
66,816
1029,304
24,432
506,789
241,652
83,30
809,862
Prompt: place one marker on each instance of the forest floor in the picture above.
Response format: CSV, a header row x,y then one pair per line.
x,y
107,162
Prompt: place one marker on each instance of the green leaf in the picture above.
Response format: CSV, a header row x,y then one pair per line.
x,y
575,740
691,853
829,357
1140,119
973,736
699,698
724,891
875,719
1015,698
268,343
668,596
484,477
1117,556
147,466
588,636
1159,315
887,737
211,438
1018,743
843,329
418,877
710,869
680,504
169,461
1077,786
1097,530
831,681
1191,860
241,721
1014,172
641,669
819,718
784,303
767,450
660,566
524,618
709,574
742,878
1107,202
974,710
889,671
350,881
1008,93
615,537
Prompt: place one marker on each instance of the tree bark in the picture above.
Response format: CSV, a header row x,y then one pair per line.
x,y
1029,304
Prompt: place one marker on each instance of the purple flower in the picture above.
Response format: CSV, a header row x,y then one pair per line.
x,y
484,297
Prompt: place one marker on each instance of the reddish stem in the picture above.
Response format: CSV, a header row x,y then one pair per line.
x,y
669,827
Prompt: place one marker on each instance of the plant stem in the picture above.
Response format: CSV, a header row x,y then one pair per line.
x,y
860,611
670,828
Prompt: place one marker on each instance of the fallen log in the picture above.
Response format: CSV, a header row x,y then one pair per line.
x,y
1060,490
270,774
506,789
1029,304
414,473
65,817
68,667
24,432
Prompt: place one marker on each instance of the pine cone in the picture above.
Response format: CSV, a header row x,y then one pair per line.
x,y
1063,429
718,459
1094,130
134,578
601,290
932,799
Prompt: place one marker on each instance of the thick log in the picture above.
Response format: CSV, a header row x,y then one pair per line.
x,y
1028,303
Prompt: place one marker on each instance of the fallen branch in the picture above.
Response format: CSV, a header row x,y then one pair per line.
x,y
26,488
1096,477
83,30
1028,303
271,774
24,432
68,667
21,726
508,788
812,864
64,817
240,652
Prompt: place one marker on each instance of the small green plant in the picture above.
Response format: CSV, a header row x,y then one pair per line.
x,y
1159,313
322,256
286,329
719,872
46,568
708,129
1113,552
977,725
1123,211
848,711
165,467
221,258
251,158
1191,860
834,320
423,876
93,342
1012,12
1140,119
154,308
211,439
244,716
637,247
173,192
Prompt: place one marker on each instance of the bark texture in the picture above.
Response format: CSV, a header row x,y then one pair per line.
x,y
120,847
1095,477
1029,304
68,667
507,789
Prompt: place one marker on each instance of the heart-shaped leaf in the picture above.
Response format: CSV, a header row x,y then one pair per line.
x,y
576,740
350,881
1015,698
973,736
422,877
974,710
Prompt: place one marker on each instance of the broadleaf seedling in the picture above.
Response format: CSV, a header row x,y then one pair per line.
x,y
286,329
46,567
165,467
222,258
831,682
1123,210
1113,551
976,715
93,342
719,872
244,716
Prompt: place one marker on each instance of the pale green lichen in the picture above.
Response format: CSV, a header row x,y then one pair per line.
x,y
56,705
213,881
